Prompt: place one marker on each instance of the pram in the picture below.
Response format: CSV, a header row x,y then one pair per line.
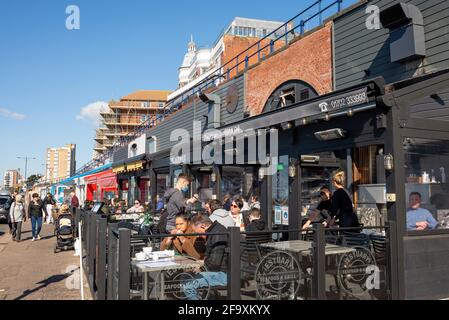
x,y
64,231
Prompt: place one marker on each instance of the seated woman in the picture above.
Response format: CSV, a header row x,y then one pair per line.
x,y
137,208
190,246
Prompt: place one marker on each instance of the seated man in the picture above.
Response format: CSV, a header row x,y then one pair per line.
x,y
215,258
419,218
217,213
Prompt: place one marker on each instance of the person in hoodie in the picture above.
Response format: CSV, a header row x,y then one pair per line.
x,y
176,201
217,213
255,221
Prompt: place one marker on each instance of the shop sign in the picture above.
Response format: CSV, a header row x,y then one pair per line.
x,y
345,100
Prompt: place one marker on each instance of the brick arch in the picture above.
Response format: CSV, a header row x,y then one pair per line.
x,y
284,83
309,59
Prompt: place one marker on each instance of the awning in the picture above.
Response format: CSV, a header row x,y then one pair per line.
x,y
106,179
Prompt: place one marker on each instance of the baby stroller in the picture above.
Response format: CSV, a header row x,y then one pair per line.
x,y
65,233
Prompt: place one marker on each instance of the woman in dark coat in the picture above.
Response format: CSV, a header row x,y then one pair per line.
x,y
342,207
35,213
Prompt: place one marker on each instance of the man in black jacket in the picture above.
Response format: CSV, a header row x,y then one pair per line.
x,y
8,206
215,259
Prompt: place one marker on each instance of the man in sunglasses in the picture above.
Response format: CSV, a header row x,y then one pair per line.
x,y
321,213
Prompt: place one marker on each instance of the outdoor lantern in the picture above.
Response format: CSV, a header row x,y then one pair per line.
x,y
292,170
213,177
388,162
261,173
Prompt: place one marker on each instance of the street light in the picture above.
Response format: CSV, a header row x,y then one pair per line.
x,y
26,158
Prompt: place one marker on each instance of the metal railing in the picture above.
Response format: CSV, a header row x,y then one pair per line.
x,y
275,40
108,251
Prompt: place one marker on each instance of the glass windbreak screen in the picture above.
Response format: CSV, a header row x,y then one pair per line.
x,y
280,183
205,185
312,180
161,187
426,185
232,181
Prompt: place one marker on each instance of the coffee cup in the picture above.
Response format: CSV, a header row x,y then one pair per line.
x,y
147,250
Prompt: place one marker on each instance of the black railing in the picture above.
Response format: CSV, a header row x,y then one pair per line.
x,y
109,251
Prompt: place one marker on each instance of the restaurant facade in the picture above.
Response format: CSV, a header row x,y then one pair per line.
x,y
348,96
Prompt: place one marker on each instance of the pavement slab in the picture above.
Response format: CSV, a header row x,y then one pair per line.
x,y
32,271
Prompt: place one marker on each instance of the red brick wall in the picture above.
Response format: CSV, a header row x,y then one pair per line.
x,y
234,45
309,59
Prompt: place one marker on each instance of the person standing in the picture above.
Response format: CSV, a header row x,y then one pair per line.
x,y
74,202
17,216
8,205
48,204
176,202
35,213
342,207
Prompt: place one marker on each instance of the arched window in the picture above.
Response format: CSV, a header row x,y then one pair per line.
x,y
288,93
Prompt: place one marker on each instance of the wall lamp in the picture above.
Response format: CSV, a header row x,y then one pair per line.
x,y
286,126
292,170
388,162
261,173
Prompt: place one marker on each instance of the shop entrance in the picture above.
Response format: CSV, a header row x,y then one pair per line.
x,y
316,171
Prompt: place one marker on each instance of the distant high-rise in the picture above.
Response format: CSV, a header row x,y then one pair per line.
x,y
11,179
60,163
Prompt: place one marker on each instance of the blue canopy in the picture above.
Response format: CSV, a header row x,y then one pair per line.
x,y
97,170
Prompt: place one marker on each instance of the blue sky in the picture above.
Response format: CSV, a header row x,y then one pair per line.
x,y
48,73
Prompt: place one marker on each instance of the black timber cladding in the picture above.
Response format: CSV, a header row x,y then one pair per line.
x,y
183,119
358,49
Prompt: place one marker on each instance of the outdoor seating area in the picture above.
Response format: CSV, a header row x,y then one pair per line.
x,y
123,265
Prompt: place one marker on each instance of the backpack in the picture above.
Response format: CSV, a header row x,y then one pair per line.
x,y
162,224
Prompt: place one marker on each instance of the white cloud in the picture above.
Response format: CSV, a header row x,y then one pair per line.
x,y
91,112
12,115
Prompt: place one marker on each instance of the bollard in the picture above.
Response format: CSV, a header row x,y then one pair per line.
x,y
319,260
234,264
124,261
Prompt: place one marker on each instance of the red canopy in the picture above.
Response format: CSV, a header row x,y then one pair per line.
x,y
105,179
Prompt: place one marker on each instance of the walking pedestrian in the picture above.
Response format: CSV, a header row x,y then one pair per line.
x,y
74,202
48,204
8,205
17,216
35,213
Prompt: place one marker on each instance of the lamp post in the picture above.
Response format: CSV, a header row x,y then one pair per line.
x,y
26,158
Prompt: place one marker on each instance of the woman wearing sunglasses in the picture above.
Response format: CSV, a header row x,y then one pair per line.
x,y
137,208
236,212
